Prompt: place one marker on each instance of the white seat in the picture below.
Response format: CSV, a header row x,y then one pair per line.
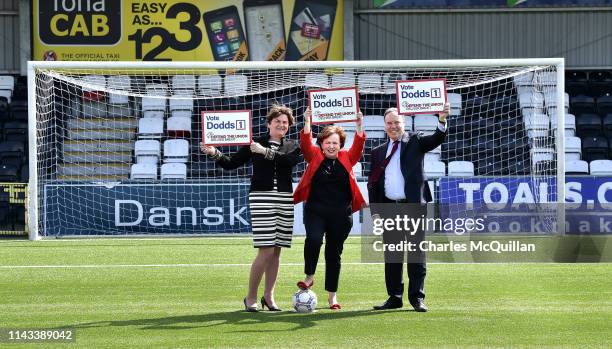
x,y
343,80
374,125
601,167
577,167
158,89
236,85
531,102
7,82
454,99
541,154
179,126
173,171
143,171
316,80
153,107
573,148
147,151
426,123
358,169
524,79
181,102
150,128
183,83
434,169
408,123
369,82
389,80
570,124
460,169
210,85
176,150
434,155
94,96
120,83
94,83
536,125
545,78
182,113
8,94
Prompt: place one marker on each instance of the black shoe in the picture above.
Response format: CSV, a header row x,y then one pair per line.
x,y
249,309
391,303
419,305
265,304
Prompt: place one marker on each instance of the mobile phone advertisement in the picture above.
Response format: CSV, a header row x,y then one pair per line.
x,y
187,30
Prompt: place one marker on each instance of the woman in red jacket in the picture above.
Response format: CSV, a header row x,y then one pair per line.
x,y
331,195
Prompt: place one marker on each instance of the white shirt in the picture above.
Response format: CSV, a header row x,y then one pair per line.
x,y
394,179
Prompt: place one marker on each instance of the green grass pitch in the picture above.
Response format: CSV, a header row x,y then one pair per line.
x,y
187,293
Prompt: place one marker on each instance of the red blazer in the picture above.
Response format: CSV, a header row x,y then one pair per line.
x,y
314,156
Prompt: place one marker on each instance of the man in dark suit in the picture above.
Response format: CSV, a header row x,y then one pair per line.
x,y
397,177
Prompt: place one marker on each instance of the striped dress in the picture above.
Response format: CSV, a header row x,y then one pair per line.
x,y
271,215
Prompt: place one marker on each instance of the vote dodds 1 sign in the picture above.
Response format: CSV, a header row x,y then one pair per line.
x,y
224,127
333,105
421,96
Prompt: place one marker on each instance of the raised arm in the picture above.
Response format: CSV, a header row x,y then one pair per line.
x,y
306,145
356,151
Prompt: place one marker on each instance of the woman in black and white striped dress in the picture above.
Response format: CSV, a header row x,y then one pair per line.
x,y
270,199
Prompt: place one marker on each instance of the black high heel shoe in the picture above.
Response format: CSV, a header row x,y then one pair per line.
x,y
265,304
249,309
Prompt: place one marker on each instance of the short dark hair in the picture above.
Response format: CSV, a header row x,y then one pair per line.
x,y
278,110
330,130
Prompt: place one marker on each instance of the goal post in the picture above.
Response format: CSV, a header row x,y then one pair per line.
x,y
90,123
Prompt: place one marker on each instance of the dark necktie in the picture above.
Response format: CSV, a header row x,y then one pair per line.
x,y
377,172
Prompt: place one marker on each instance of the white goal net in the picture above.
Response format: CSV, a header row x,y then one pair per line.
x,y
114,147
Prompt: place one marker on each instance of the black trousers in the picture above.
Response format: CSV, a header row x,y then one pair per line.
x,y
335,227
394,262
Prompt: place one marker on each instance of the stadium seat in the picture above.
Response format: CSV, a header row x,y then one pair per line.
x,y
576,83
147,151
455,103
601,167
570,124
24,173
434,155
426,123
173,171
7,84
3,108
316,80
476,106
573,148
460,169
600,83
210,85
588,125
524,79
434,169
536,125
550,102
9,173
16,131
389,82
368,83
485,145
531,103
119,104
545,78
183,83
343,80
374,126
12,152
541,154
18,110
154,107
176,150
150,128
182,100
236,85
157,89
93,96
408,123
179,127
455,147
576,167
513,146
604,104
594,148
582,104
143,171
607,125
